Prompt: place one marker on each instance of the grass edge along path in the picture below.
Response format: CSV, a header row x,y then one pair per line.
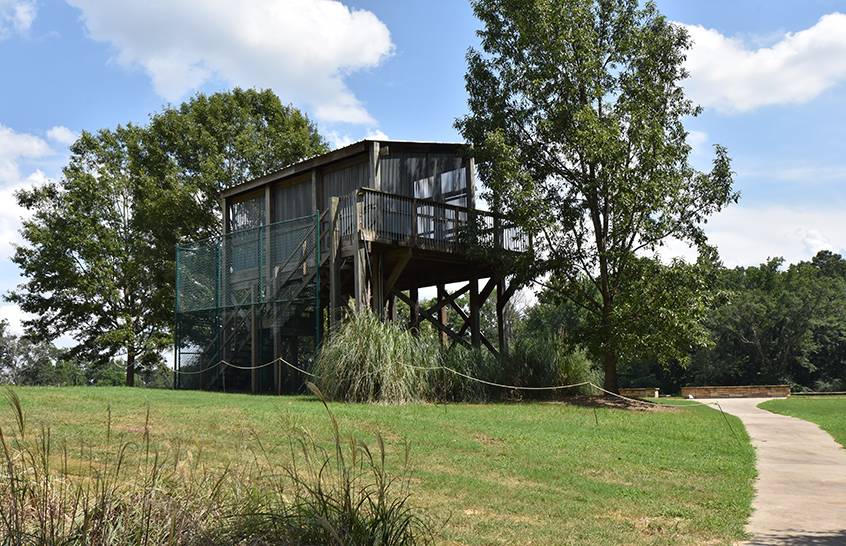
x,y
531,473
825,411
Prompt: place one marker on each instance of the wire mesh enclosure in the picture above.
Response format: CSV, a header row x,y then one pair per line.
x,y
248,308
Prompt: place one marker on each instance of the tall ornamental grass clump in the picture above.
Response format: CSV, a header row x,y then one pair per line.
x,y
370,360
466,376
128,492
534,363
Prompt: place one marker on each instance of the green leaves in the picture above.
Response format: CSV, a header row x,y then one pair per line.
x,y
576,120
780,326
99,252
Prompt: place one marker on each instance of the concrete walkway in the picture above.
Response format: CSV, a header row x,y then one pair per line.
x,y
801,487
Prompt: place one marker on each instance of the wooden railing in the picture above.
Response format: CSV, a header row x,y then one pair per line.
x,y
422,223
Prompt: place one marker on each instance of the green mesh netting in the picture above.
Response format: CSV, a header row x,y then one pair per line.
x,y
248,308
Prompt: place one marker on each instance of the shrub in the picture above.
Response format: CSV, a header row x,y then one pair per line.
x,y
370,360
445,385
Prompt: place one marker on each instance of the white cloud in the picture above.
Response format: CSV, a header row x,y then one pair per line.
x,y
13,147
748,236
728,76
16,16
814,241
698,142
337,140
11,214
62,135
302,49
15,317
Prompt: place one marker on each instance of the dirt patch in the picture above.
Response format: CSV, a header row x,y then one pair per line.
x,y
614,402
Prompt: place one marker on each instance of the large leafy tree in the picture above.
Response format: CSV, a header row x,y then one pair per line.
x,y
86,257
210,143
780,325
99,252
576,111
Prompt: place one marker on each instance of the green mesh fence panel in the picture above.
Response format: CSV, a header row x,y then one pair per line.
x,y
244,303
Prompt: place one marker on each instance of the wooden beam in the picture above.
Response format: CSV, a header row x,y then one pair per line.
x,y
435,322
375,181
414,309
475,309
442,316
377,284
255,348
448,298
405,256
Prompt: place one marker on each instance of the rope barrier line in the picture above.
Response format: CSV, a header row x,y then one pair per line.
x,y
248,368
645,401
455,372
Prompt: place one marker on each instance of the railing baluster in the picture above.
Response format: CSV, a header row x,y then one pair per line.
x,y
425,223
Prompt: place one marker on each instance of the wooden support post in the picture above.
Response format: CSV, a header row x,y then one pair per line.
x,y
377,284
374,180
404,258
392,309
503,295
442,314
500,317
277,351
414,310
359,261
475,310
255,348
334,265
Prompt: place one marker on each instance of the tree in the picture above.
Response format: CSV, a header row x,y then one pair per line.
x,y
10,355
780,326
208,144
23,362
576,116
99,255
86,260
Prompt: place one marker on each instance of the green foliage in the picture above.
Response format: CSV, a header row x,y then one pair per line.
x,y
98,254
25,362
370,360
107,374
767,324
475,369
780,326
576,120
544,352
86,258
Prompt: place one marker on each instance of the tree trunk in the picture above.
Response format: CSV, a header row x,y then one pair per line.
x,y
130,367
611,373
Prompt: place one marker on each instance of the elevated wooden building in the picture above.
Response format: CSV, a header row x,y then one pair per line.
x,y
366,226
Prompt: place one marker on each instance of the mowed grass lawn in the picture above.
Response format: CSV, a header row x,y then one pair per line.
x,y
829,412
518,473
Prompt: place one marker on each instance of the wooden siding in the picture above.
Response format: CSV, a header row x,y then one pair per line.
x,y
294,201
344,181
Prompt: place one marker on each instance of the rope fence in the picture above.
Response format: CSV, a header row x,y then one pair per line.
x,y
455,372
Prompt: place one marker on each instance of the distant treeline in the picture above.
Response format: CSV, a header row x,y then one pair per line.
x,y
777,325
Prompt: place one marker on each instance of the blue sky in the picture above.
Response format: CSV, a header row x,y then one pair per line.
x,y
771,76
